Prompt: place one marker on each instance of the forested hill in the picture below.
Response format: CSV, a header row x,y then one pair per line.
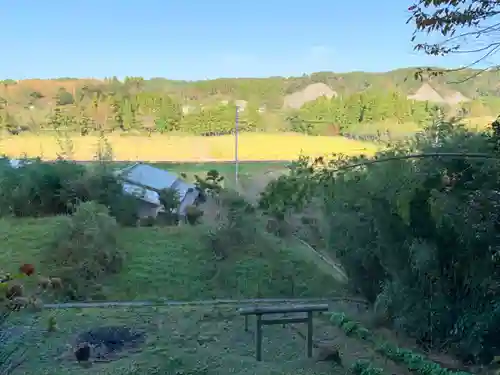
x,y
272,90
342,101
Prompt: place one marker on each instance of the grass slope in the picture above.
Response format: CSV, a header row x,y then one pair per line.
x,y
172,263
253,147
175,263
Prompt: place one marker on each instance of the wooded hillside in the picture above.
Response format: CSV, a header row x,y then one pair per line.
x,y
320,103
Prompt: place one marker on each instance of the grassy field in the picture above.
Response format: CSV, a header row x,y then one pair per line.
x,y
211,340
176,263
252,147
185,340
478,123
194,149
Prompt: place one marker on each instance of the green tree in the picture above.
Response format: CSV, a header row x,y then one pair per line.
x,y
64,97
85,123
34,96
169,114
8,122
134,83
115,120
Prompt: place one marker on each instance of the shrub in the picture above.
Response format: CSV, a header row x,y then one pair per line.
x,y
170,200
417,237
38,189
17,295
237,229
210,184
148,221
42,189
86,248
98,184
125,209
193,214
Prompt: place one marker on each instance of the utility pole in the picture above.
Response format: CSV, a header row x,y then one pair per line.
x,y
236,131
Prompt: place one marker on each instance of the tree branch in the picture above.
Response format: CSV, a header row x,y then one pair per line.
x,y
459,155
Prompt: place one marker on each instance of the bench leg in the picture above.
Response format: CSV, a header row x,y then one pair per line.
x,y
309,334
258,338
246,323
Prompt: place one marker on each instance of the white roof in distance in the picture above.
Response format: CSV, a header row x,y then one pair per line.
x,y
147,195
142,179
16,163
150,176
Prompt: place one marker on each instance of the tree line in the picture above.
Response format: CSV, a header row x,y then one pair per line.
x,y
127,107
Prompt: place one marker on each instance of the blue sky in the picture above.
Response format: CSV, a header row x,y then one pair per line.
x,y
195,39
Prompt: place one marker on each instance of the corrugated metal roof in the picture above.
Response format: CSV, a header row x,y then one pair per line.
x,y
142,193
150,176
16,163
182,187
142,180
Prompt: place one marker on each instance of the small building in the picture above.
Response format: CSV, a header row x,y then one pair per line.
x,y
145,182
15,163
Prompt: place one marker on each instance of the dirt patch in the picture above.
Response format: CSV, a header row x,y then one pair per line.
x,y
107,343
112,338
310,93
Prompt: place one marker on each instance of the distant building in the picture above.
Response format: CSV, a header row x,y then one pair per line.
x,y
145,182
16,163
241,104
186,109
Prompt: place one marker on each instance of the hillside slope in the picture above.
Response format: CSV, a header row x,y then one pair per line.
x,y
176,263
272,90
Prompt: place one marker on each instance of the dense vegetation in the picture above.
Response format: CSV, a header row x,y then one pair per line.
x,y
417,237
209,107
405,230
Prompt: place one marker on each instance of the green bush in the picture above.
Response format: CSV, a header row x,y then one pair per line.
x,y
237,230
193,214
42,189
170,200
38,189
417,237
85,249
148,221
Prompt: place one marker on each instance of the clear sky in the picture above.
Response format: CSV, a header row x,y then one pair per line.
x,y
197,39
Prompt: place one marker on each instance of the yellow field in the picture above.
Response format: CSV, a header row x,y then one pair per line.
x,y
252,147
478,123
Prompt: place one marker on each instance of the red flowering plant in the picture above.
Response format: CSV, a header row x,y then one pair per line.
x,y
14,295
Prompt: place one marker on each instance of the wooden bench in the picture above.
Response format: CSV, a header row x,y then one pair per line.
x,y
260,311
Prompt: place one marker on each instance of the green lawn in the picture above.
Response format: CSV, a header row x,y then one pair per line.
x,y
173,263
176,263
179,340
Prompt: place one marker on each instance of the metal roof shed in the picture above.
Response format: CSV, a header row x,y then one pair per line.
x,y
145,182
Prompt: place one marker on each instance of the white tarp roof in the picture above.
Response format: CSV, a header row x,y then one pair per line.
x,y
139,177
147,195
147,175
16,163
